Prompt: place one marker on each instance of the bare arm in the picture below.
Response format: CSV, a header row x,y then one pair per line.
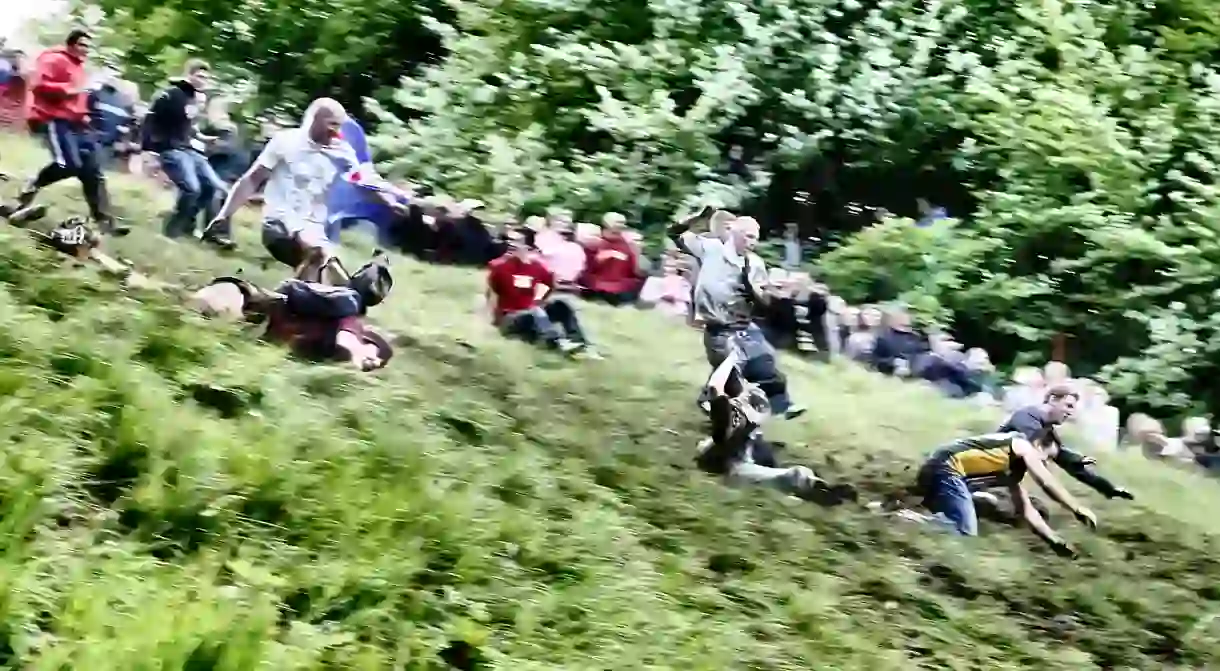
x,y
1043,476
682,235
356,351
247,185
720,376
1025,509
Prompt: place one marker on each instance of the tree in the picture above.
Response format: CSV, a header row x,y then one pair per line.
x,y
294,50
1095,167
608,105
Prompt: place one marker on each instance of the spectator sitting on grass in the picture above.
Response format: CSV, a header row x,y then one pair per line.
x,y
612,264
562,254
898,345
519,294
670,292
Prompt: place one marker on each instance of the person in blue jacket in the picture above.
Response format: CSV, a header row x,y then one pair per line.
x,y
364,196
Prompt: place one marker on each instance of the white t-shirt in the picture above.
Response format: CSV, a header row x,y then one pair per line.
x,y
302,173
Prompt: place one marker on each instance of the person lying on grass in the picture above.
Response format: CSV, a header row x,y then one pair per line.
x,y
948,478
520,298
736,449
315,320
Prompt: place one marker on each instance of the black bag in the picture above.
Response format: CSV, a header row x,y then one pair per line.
x,y
320,301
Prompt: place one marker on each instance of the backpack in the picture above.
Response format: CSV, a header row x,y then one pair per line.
x,y
320,301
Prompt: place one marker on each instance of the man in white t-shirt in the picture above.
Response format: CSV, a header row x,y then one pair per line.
x,y
298,166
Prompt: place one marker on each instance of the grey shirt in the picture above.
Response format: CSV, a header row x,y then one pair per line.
x,y
721,296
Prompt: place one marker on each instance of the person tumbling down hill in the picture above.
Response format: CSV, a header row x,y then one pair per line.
x,y
59,114
731,282
315,320
1037,422
299,166
736,448
519,295
948,478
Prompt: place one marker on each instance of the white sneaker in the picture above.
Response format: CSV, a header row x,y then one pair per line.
x,y
588,353
567,346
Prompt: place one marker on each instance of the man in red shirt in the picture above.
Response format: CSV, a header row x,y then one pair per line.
x,y
519,294
612,268
59,113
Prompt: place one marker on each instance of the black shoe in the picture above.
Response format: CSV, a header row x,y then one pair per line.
x,y
794,411
219,241
108,226
824,494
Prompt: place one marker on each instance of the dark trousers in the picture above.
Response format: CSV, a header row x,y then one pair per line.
x,y
74,153
616,299
548,322
199,190
758,360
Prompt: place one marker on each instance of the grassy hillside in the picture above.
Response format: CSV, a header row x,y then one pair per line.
x,y
175,496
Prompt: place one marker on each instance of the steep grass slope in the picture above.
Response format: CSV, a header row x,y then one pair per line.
x,y
174,495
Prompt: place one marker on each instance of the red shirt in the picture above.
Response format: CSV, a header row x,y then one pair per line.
x,y
514,282
311,338
56,72
611,266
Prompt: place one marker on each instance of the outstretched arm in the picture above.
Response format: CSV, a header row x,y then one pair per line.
x,y
682,235
1025,510
1042,475
1080,467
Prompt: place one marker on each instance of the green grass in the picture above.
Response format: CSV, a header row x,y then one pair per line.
x,y
481,495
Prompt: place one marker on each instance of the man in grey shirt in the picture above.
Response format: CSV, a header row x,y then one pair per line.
x,y
732,280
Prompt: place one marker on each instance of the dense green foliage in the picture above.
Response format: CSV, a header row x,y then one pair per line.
x,y
291,50
176,496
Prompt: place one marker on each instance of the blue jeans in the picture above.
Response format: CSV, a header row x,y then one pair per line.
x,y
758,360
199,190
949,495
549,322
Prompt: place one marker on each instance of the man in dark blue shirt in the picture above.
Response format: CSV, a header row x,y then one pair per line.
x,y
169,130
1036,422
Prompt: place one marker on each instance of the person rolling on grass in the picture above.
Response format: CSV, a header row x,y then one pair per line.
x,y
519,296
950,476
736,449
318,320
299,166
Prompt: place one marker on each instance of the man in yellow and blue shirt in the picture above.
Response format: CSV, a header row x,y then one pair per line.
x,y
948,478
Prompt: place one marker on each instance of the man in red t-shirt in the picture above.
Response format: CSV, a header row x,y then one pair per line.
x,y
612,265
519,294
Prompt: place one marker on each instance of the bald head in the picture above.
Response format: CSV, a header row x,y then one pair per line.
x,y
323,119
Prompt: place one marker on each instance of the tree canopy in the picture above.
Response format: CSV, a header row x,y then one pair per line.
x,y
293,50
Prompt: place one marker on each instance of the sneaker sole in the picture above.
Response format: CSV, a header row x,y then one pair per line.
x,y
27,214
